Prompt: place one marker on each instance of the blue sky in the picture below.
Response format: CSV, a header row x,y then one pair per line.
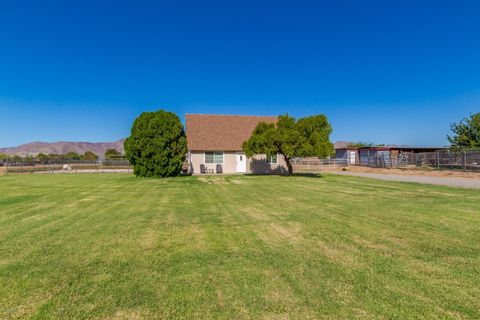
x,y
382,71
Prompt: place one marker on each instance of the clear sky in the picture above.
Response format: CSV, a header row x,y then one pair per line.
x,y
382,71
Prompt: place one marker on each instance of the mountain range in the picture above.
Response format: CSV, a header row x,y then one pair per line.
x,y
63,147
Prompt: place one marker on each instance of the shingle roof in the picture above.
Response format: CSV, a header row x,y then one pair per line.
x,y
208,132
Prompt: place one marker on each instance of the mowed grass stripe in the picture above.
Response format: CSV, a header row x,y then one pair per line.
x,y
115,246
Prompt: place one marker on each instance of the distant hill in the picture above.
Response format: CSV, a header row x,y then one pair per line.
x,y
63,147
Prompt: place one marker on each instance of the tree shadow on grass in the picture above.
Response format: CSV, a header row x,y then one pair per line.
x,y
294,175
308,175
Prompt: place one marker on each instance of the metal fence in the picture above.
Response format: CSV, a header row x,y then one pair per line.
x,y
468,160
307,164
57,166
441,159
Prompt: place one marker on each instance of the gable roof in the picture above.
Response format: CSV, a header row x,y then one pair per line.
x,y
212,132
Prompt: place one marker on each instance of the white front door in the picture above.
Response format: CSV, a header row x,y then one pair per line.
x,y
241,162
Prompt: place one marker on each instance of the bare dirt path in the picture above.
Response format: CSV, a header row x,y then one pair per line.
x,y
444,181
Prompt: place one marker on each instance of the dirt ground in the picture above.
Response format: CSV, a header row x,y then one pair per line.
x,y
410,172
449,181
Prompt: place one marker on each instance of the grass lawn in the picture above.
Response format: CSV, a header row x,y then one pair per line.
x,y
119,247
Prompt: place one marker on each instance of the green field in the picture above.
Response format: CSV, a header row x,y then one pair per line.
x,y
269,247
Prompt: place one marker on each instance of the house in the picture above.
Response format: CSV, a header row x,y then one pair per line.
x,y
215,145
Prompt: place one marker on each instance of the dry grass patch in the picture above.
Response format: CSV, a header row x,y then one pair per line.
x,y
214,180
149,239
190,238
375,245
236,181
275,234
338,252
257,214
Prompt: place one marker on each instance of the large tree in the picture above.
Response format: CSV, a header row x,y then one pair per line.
x,y
72,156
307,137
111,153
157,145
466,133
42,157
89,155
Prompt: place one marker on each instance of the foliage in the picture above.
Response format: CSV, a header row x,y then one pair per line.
x,y
72,156
157,145
359,144
306,137
466,133
111,153
16,158
89,155
42,157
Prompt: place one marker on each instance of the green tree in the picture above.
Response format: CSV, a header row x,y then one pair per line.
x,y
307,137
359,144
157,145
72,156
42,157
54,156
466,133
89,155
111,153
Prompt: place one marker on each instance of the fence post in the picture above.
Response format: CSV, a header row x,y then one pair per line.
x,y
438,160
464,160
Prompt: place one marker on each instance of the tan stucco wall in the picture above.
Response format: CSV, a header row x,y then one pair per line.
x,y
256,164
229,162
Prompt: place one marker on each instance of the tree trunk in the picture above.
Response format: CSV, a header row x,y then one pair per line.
x,y
289,165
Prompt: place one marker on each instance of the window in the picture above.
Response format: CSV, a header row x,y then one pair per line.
x,y
213,157
272,159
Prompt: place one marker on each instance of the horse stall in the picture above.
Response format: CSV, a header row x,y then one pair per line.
x,y
350,155
392,156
